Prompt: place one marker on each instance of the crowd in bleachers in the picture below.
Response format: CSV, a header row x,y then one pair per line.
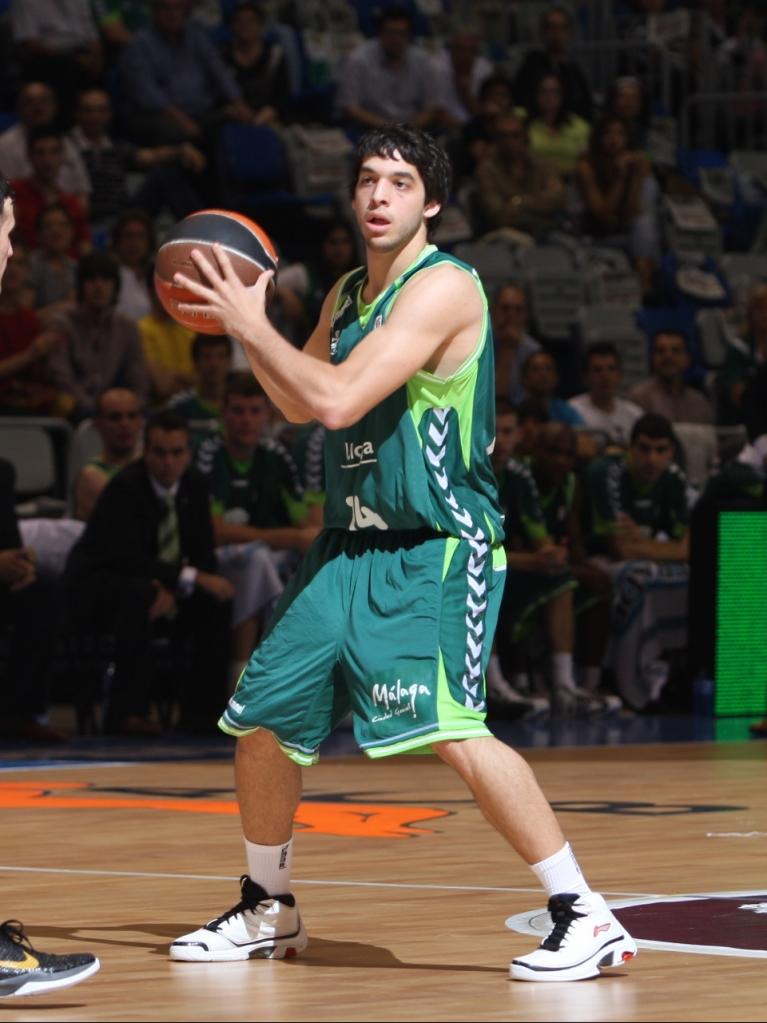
x,y
610,187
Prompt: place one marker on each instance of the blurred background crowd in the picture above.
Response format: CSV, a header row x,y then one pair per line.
x,y
610,187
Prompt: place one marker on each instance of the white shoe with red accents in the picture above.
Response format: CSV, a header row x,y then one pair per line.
x,y
585,938
260,926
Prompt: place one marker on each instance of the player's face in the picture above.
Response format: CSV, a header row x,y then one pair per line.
x,y
167,455
650,457
390,203
245,419
7,223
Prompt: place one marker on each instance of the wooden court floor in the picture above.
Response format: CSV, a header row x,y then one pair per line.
x,y
404,888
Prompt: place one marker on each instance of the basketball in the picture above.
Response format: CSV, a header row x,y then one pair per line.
x,y
248,246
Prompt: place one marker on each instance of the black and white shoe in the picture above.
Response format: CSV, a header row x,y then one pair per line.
x,y
585,938
260,926
25,971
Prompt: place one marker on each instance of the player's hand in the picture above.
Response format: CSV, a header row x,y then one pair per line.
x,y
240,309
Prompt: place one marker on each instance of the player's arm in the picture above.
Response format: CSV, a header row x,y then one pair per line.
x,y
318,346
423,324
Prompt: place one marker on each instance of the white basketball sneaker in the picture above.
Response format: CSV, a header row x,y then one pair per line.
x,y
260,926
585,937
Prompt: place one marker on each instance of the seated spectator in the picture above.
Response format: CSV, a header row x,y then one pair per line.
x,y
665,392
170,173
620,196
530,419
557,33
515,188
40,189
25,345
744,355
628,101
145,563
52,271
58,43
308,283
133,246
459,71
259,512
638,514
543,548
98,347
478,134
38,108
600,408
556,135
119,420
540,380
212,359
175,86
26,604
167,348
259,64
388,79
513,343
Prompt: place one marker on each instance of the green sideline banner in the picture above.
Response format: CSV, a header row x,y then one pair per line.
x,y
741,614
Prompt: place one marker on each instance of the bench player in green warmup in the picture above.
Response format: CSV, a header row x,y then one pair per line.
x,y
392,612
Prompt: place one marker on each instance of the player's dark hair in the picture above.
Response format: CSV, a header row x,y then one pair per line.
x,y
415,147
654,426
6,192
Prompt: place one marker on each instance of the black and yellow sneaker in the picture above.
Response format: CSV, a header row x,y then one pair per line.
x,y
25,971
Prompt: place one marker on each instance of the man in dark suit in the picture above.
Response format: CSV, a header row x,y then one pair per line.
x,y
145,564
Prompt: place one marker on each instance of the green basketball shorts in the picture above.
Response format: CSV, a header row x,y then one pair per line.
x,y
395,626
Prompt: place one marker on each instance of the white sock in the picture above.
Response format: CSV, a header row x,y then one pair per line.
x,y
562,671
270,865
591,678
561,873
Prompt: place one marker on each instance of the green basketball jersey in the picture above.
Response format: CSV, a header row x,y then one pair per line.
x,y
419,459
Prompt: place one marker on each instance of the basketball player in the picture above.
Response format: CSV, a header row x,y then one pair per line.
x,y
393,609
24,971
